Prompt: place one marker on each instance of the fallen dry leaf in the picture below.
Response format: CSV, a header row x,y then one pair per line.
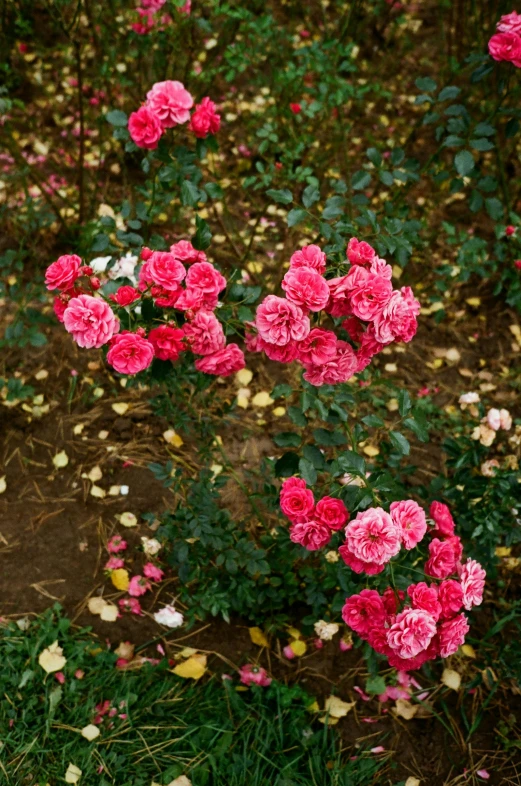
x,y
338,708
193,668
258,637
451,678
404,709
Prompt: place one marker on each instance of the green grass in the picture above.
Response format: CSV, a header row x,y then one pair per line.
x,y
207,731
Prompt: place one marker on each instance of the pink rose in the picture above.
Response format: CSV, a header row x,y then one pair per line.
x,y
472,577
494,419
450,595
368,293
166,298
279,321
130,353
125,296
506,46
165,270
170,102
205,119
130,604
222,363
452,635
63,273
59,305
442,559
184,251
364,611
331,512
442,518
426,598
317,348
205,333
372,536
152,572
357,565
286,354
191,299
306,288
90,320
392,598
411,633
296,501
204,277
510,23
168,342
310,534
115,544
309,256
397,321
335,371
254,675
114,563
138,586
339,298
359,252
410,519
145,128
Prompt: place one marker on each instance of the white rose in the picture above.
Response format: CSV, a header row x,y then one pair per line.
x,y
169,617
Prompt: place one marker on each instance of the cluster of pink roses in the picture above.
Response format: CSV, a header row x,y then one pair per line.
x,y
148,15
138,584
312,525
168,104
505,44
93,323
372,314
427,622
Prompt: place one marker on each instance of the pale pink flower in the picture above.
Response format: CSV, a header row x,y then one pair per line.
x,y
309,256
170,102
63,273
296,500
379,267
450,595
222,363
90,320
505,419
397,320
130,353
410,519
510,23
306,288
411,633
368,293
331,512
254,675
114,563
442,559
372,536
138,586
145,128
452,635
279,321
364,611
184,251
472,577
358,565
152,572
426,598
317,348
494,419
359,252
165,270
205,333
313,535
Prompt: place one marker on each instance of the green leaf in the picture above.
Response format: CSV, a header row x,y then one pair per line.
x,y
214,190
494,208
448,93
375,685
404,402
203,236
310,196
287,465
284,196
117,118
287,439
190,194
374,156
282,390
328,438
426,84
484,129
360,180
296,216
418,428
481,144
400,442
464,162
297,416
308,471
373,421
314,455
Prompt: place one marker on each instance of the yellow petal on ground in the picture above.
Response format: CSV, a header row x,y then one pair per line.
x,y
468,650
242,401
128,519
120,579
182,780
392,368
262,399
216,469
95,605
172,438
313,707
60,460
120,407
258,637
279,412
98,492
338,708
3,484
404,709
90,732
95,474
109,612
451,678
503,551
51,658
73,774
371,451
42,374
78,428
103,434
329,719
294,633
299,647
475,302
412,781
193,668
187,652
244,377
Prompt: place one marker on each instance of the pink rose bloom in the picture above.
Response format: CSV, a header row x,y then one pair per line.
x,y
168,342
359,252
452,635
186,8
494,419
138,586
442,518
505,419
130,353
506,46
442,559
296,501
115,544
204,277
339,298
358,565
450,595
170,102
145,128
309,256
90,320
130,604
205,119
205,333
411,633
191,299
368,293
392,598
372,536
306,288
286,354
125,296
222,363
165,270
377,638
426,598
63,273
114,563
412,664
313,535
152,572
59,305
152,5
364,611
472,577
166,298
335,371
279,321
254,675
410,519
331,512
184,251
317,348
510,23
379,267
397,321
